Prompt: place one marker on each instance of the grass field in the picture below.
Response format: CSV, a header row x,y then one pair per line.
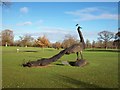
x,y
101,72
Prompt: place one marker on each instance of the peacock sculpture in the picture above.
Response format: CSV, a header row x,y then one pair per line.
x,y
76,48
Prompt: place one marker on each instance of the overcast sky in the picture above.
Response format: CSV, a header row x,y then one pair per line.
x,y
55,20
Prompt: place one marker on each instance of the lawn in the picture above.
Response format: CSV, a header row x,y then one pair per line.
x,y
101,72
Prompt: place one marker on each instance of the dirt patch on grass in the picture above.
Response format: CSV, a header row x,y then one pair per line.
x,y
42,66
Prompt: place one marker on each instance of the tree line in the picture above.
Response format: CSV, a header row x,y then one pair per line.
x,y
106,40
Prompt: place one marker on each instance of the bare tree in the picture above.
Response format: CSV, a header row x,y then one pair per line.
x,y
57,45
105,36
17,43
88,44
110,44
69,41
99,44
26,40
93,44
43,41
7,37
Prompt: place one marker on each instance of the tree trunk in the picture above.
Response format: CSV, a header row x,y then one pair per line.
x,y
106,45
6,44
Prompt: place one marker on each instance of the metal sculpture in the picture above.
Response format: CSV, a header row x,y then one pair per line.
x,y
76,48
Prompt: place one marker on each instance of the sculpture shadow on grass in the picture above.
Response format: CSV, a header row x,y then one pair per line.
x,y
72,63
29,51
78,83
60,64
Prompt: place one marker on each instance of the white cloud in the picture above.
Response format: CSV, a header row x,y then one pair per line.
x,y
92,14
24,23
96,17
24,10
54,30
82,11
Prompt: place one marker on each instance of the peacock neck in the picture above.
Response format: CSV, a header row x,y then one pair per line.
x,y
81,37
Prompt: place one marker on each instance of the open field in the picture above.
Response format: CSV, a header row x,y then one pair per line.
x,y
102,72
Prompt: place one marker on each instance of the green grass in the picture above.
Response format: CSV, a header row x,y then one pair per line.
x,y
101,72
